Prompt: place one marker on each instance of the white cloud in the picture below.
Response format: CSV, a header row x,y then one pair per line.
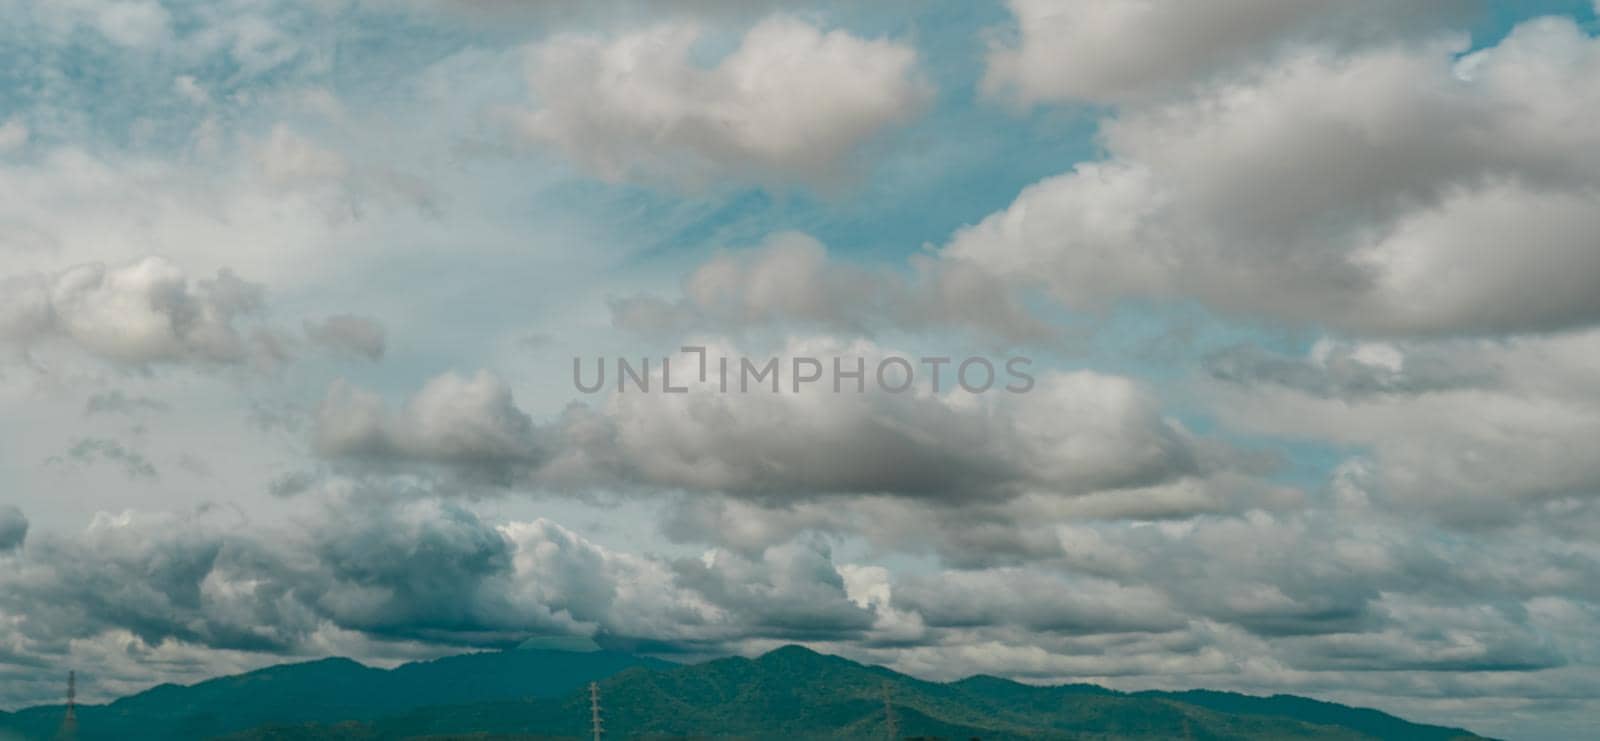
x,y
790,103
141,313
191,89
1114,50
286,157
1395,190
135,24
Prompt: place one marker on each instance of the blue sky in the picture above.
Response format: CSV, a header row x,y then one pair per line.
x,y
291,289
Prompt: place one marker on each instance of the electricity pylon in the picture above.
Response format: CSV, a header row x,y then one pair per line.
x,y
69,722
594,709
889,721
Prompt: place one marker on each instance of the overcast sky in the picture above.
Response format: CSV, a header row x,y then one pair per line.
x,y
290,294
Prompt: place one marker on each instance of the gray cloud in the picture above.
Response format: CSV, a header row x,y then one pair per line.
x,y
90,450
1073,434
292,483
13,528
345,333
1354,370
374,573
471,423
791,592
1470,431
116,402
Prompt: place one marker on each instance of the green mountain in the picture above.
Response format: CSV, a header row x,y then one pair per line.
x,y
796,693
326,691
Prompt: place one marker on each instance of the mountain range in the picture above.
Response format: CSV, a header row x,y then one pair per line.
x,y
789,693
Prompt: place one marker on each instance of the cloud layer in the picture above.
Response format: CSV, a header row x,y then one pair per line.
x,y
1308,292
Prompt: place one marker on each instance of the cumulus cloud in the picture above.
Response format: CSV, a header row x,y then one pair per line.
x,y
791,103
147,312
1470,431
469,422
1111,51
1072,434
349,334
792,592
1397,190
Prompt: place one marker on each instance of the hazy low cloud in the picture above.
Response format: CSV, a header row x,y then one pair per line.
x,y
117,402
89,451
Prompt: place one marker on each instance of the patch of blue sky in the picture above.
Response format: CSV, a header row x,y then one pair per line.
x,y
1502,15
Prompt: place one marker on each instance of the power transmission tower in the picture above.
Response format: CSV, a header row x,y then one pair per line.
x,y
889,720
69,722
594,709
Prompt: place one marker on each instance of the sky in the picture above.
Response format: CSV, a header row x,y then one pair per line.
x,y
291,295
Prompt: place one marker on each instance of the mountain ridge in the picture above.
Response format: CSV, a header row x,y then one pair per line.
x,y
790,692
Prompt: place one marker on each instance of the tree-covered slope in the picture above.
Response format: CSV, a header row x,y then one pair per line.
x,y
327,691
796,693
788,693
